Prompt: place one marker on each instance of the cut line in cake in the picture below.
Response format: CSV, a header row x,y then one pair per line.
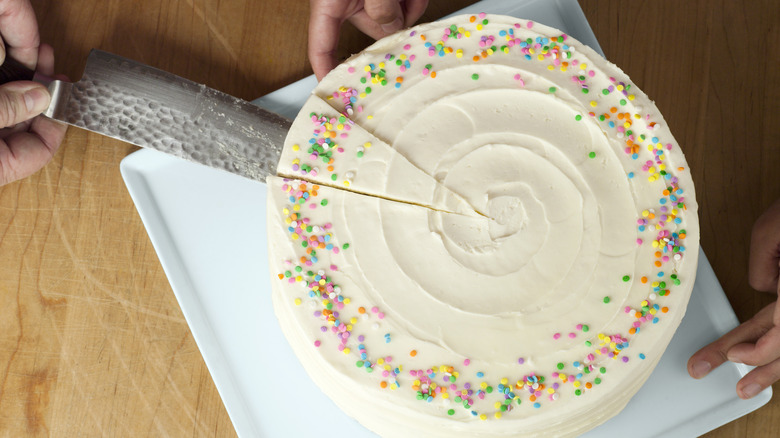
x,y
327,147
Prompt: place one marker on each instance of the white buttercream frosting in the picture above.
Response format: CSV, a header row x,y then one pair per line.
x,y
480,248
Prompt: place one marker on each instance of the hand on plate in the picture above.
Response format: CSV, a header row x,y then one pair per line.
x,y
27,142
757,341
375,18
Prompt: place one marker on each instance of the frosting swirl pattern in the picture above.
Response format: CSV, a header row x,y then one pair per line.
x,y
480,219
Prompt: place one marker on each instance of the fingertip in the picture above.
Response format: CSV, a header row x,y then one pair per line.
x,y
695,367
762,351
45,60
737,353
319,74
320,70
414,10
388,14
758,379
748,391
21,101
763,267
322,65
761,277
37,100
701,363
393,27
689,365
698,368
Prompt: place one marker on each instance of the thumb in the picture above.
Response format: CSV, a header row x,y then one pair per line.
x,y
21,101
386,13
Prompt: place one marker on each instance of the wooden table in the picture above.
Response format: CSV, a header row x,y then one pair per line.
x,y
92,341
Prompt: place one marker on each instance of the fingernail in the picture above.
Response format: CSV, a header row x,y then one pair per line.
x,y
36,100
700,369
733,358
751,390
393,26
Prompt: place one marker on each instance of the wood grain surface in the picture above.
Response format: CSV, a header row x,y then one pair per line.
x,y
92,341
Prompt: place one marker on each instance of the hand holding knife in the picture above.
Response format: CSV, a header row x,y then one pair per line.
x,y
148,107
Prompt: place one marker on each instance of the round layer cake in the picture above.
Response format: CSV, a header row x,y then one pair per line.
x,y
480,227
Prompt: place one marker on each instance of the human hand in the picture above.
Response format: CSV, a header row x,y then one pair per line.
x,y
375,18
27,142
757,341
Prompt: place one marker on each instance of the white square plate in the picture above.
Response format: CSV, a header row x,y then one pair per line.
x,y
208,228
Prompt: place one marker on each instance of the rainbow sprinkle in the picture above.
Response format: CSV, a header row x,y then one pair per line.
x,y
656,226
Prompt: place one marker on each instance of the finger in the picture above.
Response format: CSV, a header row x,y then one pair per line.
x,y
19,30
766,349
758,379
25,126
49,132
19,127
413,10
20,101
367,25
324,31
45,60
776,319
714,354
386,13
764,261
28,152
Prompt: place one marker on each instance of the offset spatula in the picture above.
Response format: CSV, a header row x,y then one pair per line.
x,y
148,107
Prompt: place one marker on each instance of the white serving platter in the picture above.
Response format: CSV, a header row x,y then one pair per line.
x,y
209,230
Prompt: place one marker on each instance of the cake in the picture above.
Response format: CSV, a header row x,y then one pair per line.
x,y
480,227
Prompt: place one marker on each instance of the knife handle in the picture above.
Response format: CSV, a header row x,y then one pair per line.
x,y
13,70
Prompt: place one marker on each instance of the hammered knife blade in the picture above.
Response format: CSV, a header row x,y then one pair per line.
x,y
151,108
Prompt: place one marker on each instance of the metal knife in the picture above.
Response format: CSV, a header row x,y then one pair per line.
x,y
148,107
